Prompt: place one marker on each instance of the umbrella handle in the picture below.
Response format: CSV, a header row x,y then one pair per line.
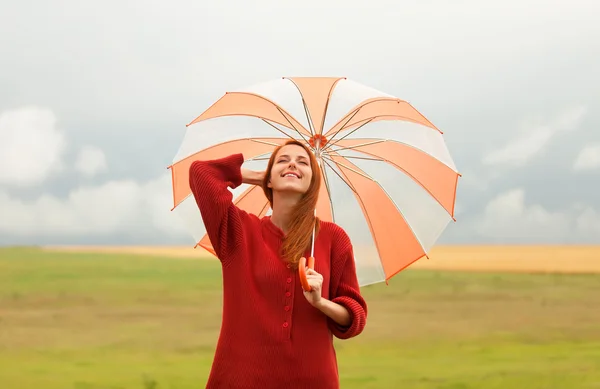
x,y
302,272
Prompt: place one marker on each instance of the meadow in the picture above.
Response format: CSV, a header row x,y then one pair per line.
x,y
149,319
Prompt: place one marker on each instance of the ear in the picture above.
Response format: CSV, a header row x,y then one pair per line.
x,y
269,185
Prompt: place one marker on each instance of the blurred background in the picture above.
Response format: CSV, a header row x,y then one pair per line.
x,y
100,286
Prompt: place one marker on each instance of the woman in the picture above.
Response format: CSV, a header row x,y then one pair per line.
x,y
274,334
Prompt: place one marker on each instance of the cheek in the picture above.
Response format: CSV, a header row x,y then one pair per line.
x,y
307,181
308,174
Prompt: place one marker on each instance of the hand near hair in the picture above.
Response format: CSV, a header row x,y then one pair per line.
x,y
252,177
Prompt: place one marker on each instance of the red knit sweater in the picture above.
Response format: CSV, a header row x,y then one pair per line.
x,y
271,337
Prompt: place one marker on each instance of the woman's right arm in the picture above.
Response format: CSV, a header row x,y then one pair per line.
x,y
209,182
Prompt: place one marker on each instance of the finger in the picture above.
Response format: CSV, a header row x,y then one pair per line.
x,y
311,271
314,287
316,276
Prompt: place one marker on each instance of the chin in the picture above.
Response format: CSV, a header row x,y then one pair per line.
x,y
290,188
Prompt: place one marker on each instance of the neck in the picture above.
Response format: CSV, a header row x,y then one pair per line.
x,y
282,210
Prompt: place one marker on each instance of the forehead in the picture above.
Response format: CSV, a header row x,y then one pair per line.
x,y
293,151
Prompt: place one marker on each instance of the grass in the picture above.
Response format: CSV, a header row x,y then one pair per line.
x,y
97,320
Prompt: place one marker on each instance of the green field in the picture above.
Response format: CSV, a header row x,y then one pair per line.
x,y
91,321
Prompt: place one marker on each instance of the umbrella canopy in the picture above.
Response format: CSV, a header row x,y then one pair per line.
x,y
388,178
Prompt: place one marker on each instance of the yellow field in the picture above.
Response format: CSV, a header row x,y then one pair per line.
x,y
564,259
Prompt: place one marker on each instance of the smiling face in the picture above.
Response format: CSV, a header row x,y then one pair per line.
x,y
291,171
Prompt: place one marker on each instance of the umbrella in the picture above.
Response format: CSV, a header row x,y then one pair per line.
x,y
388,178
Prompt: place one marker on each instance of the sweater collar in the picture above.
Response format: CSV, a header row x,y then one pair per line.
x,y
278,232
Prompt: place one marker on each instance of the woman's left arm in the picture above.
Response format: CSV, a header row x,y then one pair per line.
x,y
346,310
336,312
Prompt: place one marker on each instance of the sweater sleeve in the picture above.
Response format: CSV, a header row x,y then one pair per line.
x,y
209,182
346,291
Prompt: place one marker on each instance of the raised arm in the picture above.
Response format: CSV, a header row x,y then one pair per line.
x,y
209,182
344,289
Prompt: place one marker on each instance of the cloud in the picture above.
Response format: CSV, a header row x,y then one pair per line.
x,y
589,222
33,149
31,146
508,218
498,65
122,206
588,158
535,136
91,161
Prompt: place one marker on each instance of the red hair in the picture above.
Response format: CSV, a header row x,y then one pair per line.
x,y
302,221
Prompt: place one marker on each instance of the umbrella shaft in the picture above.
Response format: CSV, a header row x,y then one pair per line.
x,y
312,249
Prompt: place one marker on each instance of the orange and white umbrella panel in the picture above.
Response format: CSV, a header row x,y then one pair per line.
x,y
388,177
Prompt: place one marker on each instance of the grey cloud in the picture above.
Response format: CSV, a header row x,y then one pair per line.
x,y
127,76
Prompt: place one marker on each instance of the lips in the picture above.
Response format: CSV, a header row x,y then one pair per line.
x,y
288,174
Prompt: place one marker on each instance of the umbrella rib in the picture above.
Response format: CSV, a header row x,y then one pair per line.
x,y
244,194
308,118
385,160
341,178
263,142
402,215
328,188
380,140
377,159
349,168
264,207
389,198
278,129
365,214
363,104
327,104
261,157
334,142
347,121
369,120
295,129
358,145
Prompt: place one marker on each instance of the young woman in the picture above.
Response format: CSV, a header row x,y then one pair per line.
x,y
273,333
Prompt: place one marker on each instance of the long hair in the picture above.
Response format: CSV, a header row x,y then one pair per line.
x,y
302,221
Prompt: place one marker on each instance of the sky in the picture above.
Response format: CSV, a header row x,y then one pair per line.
x,y
94,98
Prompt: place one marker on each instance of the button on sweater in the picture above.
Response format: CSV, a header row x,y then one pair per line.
x,y
271,337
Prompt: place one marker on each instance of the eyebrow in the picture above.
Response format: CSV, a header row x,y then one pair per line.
x,y
287,156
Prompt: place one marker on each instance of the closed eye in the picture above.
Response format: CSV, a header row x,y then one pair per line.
x,y
285,159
